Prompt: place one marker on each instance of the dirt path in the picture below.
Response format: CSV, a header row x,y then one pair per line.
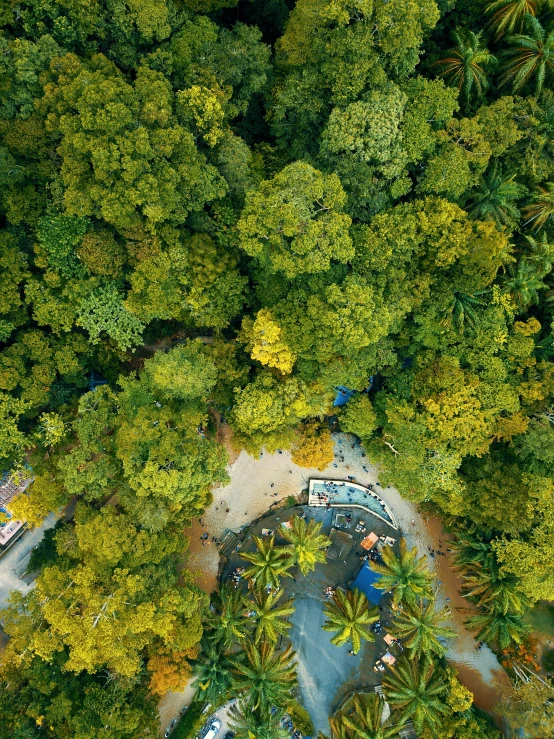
x,y
257,483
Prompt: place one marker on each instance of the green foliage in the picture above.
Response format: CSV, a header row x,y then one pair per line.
x,y
294,223
363,716
405,574
358,417
416,690
267,676
190,722
268,564
350,615
466,66
419,628
271,219
307,545
103,312
300,718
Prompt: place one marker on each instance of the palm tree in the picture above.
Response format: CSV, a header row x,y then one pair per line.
x,y
351,616
539,251
214,671
522,283
265,677
248,724
416,690
531,56
471,551
462,311
405,574
271,619
419,628
492,590
493,199
307,545
268,564
509,15
541,210
227,622
363,719
466,65
495,626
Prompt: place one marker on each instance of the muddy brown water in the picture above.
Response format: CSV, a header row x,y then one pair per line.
x,y
478,669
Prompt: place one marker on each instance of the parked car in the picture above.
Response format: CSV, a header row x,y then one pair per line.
x,y
215,726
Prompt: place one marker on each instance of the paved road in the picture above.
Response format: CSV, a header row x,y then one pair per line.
x,y
13,563
322,667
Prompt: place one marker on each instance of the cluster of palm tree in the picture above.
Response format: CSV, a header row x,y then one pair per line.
x,y
415,687
306,547
239,655
523,34
500,604
526,55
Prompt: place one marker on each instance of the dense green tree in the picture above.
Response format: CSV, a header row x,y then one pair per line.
x,y
40,698
206,219
294,223
110,598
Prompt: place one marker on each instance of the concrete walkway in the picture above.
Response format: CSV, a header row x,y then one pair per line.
x,y
14,562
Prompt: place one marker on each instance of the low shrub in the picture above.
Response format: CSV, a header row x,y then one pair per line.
x,y
301,718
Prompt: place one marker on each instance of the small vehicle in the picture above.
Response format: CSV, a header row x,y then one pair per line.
x,y
215,726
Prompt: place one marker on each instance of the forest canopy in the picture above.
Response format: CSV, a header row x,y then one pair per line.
x,y
216,208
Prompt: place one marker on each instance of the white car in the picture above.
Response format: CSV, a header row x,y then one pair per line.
x,y
215,726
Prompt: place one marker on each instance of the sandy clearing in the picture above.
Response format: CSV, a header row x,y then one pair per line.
x,y
250,493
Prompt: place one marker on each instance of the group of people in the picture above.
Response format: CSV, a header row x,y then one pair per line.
x,y
331,492
204,539
236,576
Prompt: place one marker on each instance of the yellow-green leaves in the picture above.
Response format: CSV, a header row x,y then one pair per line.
x,y
201,108
265,343
294,223
125,158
